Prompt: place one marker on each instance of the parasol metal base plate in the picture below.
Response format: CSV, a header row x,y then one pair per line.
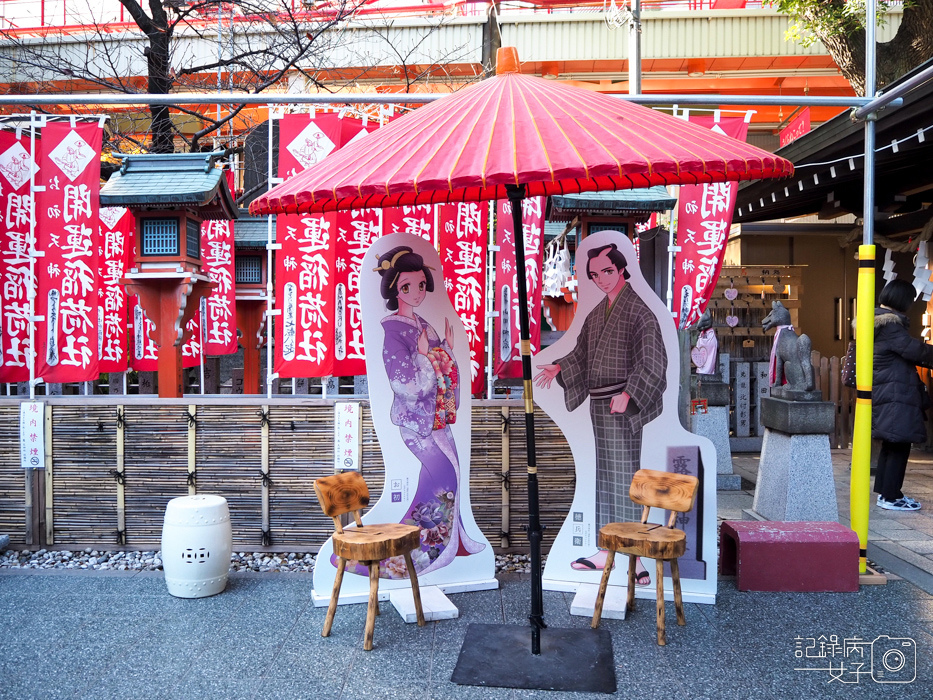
x,y
575,660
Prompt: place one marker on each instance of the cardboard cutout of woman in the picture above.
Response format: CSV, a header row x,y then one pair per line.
x,y
611,385
426,383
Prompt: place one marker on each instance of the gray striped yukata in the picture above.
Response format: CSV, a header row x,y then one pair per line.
x,y
619,349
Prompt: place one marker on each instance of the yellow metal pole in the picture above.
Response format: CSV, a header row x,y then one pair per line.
x,y
859,487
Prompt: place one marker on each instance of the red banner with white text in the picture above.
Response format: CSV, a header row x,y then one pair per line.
x,y
462,239
16,277
304,282
417,220
67,232
217,251
507,352
306,263
704,216
213,327
117,230
356,231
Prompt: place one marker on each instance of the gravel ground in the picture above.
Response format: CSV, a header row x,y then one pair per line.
x,y
99,560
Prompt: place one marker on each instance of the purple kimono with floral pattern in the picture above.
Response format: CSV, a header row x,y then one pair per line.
x,y
427,393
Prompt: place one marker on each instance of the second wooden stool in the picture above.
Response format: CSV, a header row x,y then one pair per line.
x,y
673,492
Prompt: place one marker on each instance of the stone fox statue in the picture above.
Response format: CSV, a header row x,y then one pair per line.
x,y
790,355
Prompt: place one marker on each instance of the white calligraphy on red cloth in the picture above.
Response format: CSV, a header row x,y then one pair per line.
x,y
704,216
16,277
217,252
117,230
356,231
218,336
144,353
417,220
67,223
304,274
507,355
305,267
462,239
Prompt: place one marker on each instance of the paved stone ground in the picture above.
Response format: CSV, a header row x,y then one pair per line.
x,y
120,635
901,542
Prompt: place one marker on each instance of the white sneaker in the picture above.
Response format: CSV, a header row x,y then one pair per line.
x,y
899,504
908,499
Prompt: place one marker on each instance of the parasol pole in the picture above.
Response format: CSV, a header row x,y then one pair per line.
x,y
516,194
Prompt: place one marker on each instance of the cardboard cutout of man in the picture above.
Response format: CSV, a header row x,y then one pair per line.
x,y
620,363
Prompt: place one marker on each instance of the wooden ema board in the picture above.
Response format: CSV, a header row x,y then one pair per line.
x,y
755,288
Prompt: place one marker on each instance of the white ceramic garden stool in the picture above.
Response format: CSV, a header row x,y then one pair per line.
x,y
196,546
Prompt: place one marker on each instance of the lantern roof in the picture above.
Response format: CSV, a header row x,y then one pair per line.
x,y
637,202
251,231
171,181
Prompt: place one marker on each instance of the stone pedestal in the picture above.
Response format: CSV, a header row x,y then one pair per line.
x,y
714,424
115,383
795,476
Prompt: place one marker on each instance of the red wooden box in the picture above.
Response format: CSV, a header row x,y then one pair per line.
x,y
789,556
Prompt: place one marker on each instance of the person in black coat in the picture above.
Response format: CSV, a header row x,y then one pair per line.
x,y
899,398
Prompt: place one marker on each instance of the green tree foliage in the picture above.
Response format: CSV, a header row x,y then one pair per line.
x,y
840,26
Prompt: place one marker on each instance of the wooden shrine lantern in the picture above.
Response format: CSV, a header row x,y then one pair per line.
x,y
170,195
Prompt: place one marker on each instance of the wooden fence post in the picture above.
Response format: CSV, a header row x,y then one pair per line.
x,y
506,515
192,442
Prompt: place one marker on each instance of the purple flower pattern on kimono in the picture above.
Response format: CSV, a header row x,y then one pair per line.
x,y
435,507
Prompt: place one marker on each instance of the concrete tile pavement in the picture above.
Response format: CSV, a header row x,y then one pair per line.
x,y
119,634
74,635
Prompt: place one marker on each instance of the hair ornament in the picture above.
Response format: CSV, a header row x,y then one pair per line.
x,y
386,264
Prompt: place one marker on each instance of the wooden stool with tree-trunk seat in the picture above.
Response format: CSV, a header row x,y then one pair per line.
x,y
368,544
651,489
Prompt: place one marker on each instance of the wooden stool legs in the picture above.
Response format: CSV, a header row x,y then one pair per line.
x,y
373,607
415,591
630,597
678,598
332,608
662,638
603,584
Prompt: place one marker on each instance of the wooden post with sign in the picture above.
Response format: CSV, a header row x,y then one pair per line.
x,y
347,436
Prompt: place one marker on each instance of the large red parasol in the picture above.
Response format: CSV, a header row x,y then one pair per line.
x,y
510,137
517,129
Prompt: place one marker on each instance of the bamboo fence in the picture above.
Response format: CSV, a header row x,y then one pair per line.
x,y
114,467
110,480
12,480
